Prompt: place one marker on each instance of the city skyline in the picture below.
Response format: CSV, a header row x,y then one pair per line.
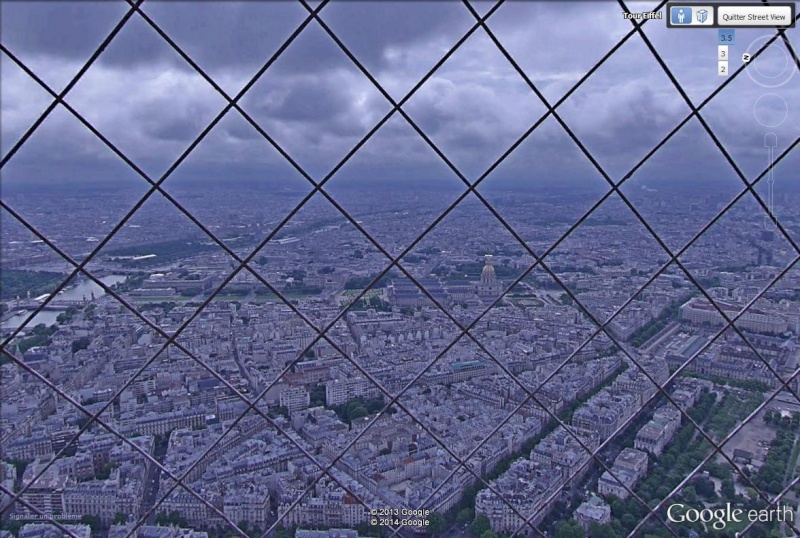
x,y
465,331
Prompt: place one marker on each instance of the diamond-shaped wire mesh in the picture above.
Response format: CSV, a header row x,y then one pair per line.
x,y
584,442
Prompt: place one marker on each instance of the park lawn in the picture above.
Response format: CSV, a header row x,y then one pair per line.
x,y
353,293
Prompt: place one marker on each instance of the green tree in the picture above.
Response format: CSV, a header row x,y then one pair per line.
x,y
317,395
105,472
728,490
479,525
279,410
602,531
93,522
568,528
489,534
629,521
13,525
718,470
358,412
617,506
17,283
704,488
436,524
120,518
173,518
632,506
464,516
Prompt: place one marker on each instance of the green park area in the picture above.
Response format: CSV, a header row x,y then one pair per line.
x,y
18,283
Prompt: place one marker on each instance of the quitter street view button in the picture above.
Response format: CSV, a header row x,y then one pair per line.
x,y
754,15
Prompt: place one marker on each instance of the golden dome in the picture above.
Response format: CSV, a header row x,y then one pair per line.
x,y
487,274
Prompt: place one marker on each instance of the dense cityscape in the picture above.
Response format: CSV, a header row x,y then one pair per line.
x,y
523,399
440,269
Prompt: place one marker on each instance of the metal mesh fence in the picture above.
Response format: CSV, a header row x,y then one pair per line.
x,y
527,522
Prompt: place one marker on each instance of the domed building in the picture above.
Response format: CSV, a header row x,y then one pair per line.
x,y
489,286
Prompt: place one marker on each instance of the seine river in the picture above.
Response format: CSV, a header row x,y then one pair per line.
x,y
74,293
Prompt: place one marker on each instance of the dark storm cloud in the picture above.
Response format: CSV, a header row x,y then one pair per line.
x,y
63,29
222,34
226,33
242,131
173,129
370,29
301,100
317,105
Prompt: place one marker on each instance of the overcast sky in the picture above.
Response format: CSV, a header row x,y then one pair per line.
x,y
317,105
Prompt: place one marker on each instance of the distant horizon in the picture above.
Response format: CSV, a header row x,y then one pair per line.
x,y
300,185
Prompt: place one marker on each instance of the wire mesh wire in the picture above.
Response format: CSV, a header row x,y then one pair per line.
x,y
243,264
